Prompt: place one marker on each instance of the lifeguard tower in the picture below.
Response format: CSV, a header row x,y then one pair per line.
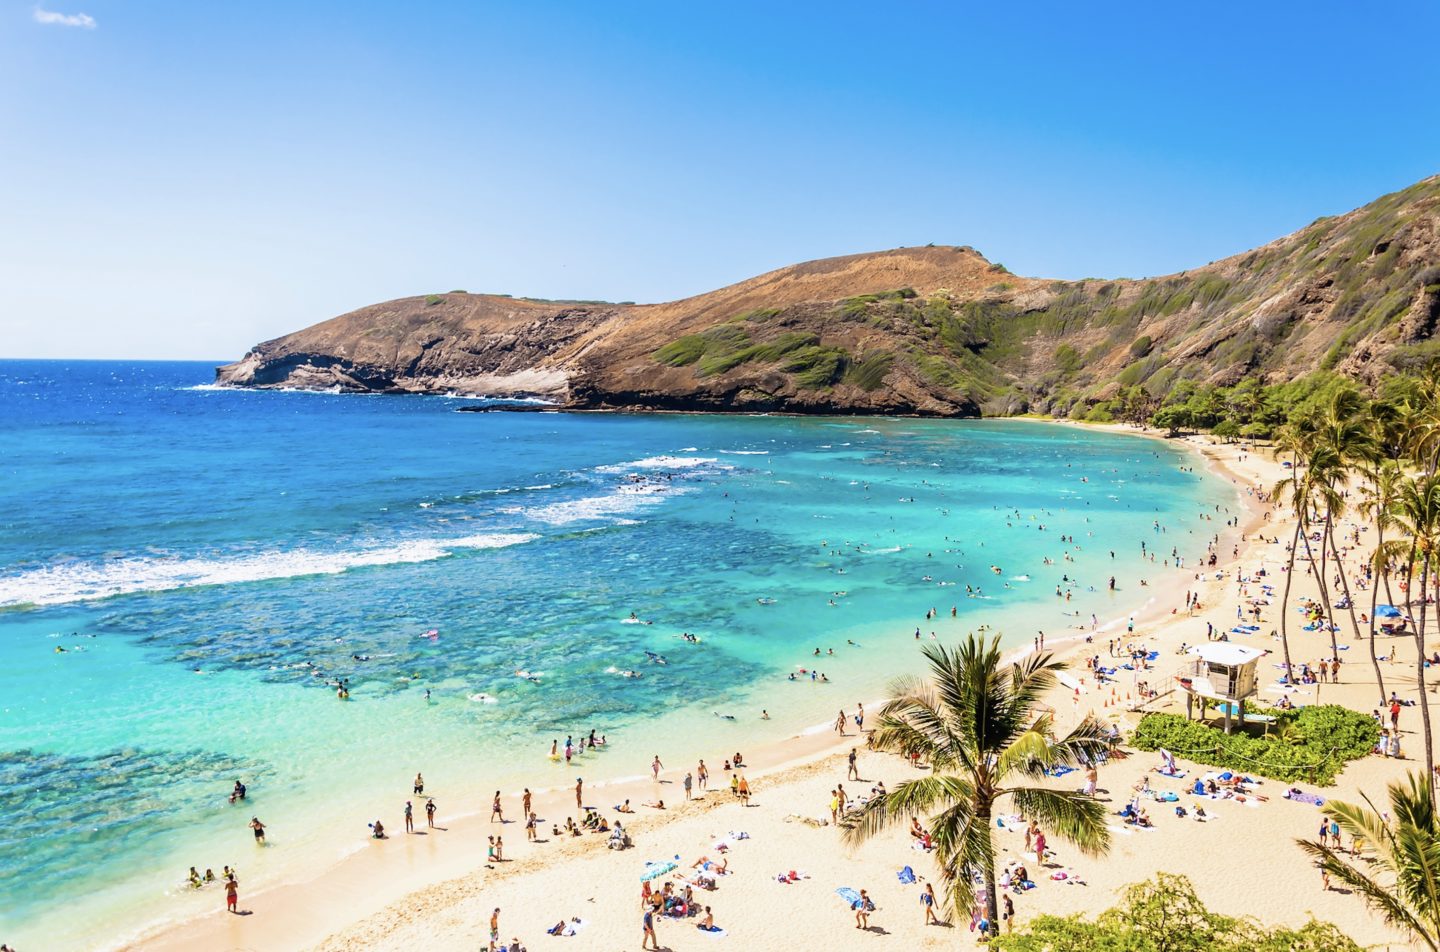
x,y
1222,671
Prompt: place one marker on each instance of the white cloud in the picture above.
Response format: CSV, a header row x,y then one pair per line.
x,y
51,18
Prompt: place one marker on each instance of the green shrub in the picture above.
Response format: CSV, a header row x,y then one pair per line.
x,y
816,367
1141,347
1165,915
680,353
1312,744
868,373
433,300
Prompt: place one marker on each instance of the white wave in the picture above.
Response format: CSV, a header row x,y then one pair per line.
x,y
658,462
630,498
87,581
885,551
746,452
227,388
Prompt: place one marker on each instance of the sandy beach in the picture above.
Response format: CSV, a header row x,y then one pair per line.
x,y
434,890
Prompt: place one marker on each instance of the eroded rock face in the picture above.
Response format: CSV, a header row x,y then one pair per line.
x,y
924,331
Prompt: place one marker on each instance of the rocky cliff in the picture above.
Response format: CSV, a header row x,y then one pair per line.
x,y
928,331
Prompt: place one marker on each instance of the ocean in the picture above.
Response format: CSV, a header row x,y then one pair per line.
x,y
186,572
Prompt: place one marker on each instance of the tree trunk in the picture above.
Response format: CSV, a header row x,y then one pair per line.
x,y
1321,584
1345,589
992,901
1375,601
1285,606
1420,675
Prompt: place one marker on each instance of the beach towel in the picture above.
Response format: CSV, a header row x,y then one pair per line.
x,y
848,894
1167,797
573,927
714,932
906,875
1060,771
1301,797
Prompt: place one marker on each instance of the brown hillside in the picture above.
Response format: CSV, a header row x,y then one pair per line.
x,y
934,330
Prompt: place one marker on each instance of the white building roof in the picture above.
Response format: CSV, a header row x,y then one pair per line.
x,y
1226,653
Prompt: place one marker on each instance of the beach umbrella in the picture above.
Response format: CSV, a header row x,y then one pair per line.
x,y
1387,611
654,870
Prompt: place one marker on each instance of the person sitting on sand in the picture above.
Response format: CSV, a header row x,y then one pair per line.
x,y
377,830
624,808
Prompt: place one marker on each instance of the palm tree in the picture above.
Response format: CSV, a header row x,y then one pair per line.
x,y
1417,513
1384,476
1295,490
1346,431
1407,853
976,723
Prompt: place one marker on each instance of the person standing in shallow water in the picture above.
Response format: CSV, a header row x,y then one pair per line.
x,y
419,785
232,895
259,830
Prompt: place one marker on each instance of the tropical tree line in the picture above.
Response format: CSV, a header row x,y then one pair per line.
x,y
1248,409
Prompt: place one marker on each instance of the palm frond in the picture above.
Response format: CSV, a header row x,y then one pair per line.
x,y
1075,817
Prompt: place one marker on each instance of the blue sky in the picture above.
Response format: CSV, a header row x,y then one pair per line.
x,y
186,179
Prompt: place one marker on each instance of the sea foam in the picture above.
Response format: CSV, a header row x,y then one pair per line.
x,y
87,581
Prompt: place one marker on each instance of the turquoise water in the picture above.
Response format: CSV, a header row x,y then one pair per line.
x,y
212,561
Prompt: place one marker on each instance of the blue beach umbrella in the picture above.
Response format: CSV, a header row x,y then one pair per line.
x,y
1387,611
654,870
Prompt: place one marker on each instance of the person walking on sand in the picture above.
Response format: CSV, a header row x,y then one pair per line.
x,y
687,782
259,829
648,940
860,718
579,792
530,827
525,803
702,776
927,899
840,723
494,929
409,817
863,907
743,791
495,810
232,895
430,811
655,767
854,772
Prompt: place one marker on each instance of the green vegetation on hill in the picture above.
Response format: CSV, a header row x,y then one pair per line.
x,y
1362,288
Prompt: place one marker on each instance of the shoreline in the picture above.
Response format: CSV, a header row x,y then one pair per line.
x,y
359,877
